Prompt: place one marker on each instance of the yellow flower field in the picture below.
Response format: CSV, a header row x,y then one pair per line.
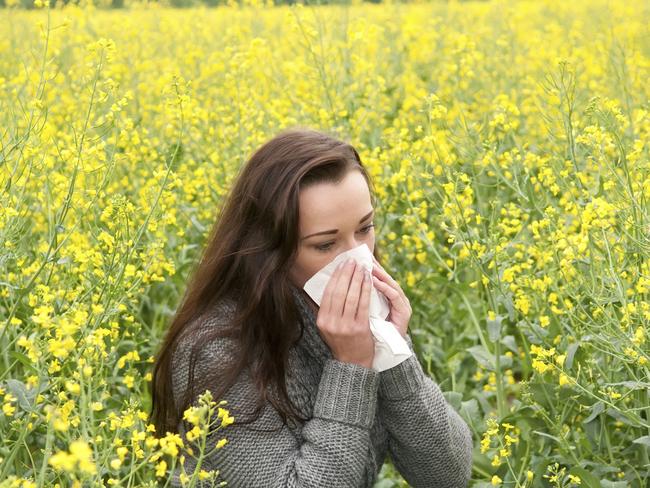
x,y
509,142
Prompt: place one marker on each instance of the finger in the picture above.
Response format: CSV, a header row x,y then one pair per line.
x,y
363,313
398,300
379,275
340,291
352,299
391,293
326,300
384,276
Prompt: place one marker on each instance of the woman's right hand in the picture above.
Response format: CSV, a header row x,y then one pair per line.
x,y
343,317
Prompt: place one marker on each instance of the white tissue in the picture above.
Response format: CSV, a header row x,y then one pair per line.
x,y
390,347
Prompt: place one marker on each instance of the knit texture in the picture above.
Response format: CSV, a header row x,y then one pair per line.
x,y
357,416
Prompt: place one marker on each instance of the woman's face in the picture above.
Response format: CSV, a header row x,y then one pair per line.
x,y
334,218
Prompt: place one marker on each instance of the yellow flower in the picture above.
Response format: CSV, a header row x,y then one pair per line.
x,y
496,480
496,460
122,452
7,408
540,366
485,444
72,387
161,469
614,395
62,461
193,434
564,379
574,479
227,420
170,444
639,336
80,456
192,415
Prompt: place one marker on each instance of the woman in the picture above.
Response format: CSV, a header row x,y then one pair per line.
x,y
248,331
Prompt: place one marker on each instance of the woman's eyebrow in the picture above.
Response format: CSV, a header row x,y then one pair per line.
x,y
334,231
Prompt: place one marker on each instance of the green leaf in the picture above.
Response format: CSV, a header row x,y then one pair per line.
x,y
570,353
470,412
509,342
24,360
587,480
612,412
494,328
24,396
454,398
487,360
543,393
644,440
507,302
613,484
596,409
483,357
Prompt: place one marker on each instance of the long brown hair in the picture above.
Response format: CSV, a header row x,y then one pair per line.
x,y
250,249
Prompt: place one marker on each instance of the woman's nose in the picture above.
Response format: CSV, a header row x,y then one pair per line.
x,y
352,243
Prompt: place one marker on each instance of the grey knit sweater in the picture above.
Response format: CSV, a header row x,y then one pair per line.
x,y
357,416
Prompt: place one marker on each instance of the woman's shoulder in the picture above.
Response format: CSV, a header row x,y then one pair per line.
x,y
207,331
202,346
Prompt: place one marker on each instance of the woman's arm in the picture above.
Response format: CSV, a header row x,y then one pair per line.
x,y
335,441
430,443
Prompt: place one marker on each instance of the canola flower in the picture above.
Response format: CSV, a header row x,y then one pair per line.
x,y
78,457
508,145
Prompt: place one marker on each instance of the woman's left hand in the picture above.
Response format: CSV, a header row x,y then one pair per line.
x,y
400,310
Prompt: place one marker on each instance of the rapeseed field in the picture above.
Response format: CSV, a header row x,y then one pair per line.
x,y
509,142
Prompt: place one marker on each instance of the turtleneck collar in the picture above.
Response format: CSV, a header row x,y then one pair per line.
x,y
311,336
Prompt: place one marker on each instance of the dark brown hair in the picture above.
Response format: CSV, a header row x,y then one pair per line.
x,y
250,250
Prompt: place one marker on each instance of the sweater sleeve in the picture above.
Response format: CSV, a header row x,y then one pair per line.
x,y
429,442
334,444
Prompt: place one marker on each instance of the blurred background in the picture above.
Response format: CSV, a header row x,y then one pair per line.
x,y
508,141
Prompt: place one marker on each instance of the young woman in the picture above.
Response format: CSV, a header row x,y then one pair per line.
x,y
309,409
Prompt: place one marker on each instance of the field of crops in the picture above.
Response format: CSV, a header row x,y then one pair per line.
x,y
509,142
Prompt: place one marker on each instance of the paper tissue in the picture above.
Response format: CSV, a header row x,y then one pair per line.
x,y
390,347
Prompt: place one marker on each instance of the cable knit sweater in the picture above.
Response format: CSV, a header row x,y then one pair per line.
x,y
356,417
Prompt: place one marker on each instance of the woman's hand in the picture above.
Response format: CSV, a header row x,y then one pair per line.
x,y
400,311
344,318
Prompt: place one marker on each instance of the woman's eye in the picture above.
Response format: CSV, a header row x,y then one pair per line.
x,y
326,247
367,228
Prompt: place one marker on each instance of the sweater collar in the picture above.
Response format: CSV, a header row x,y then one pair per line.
x,y
311,336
